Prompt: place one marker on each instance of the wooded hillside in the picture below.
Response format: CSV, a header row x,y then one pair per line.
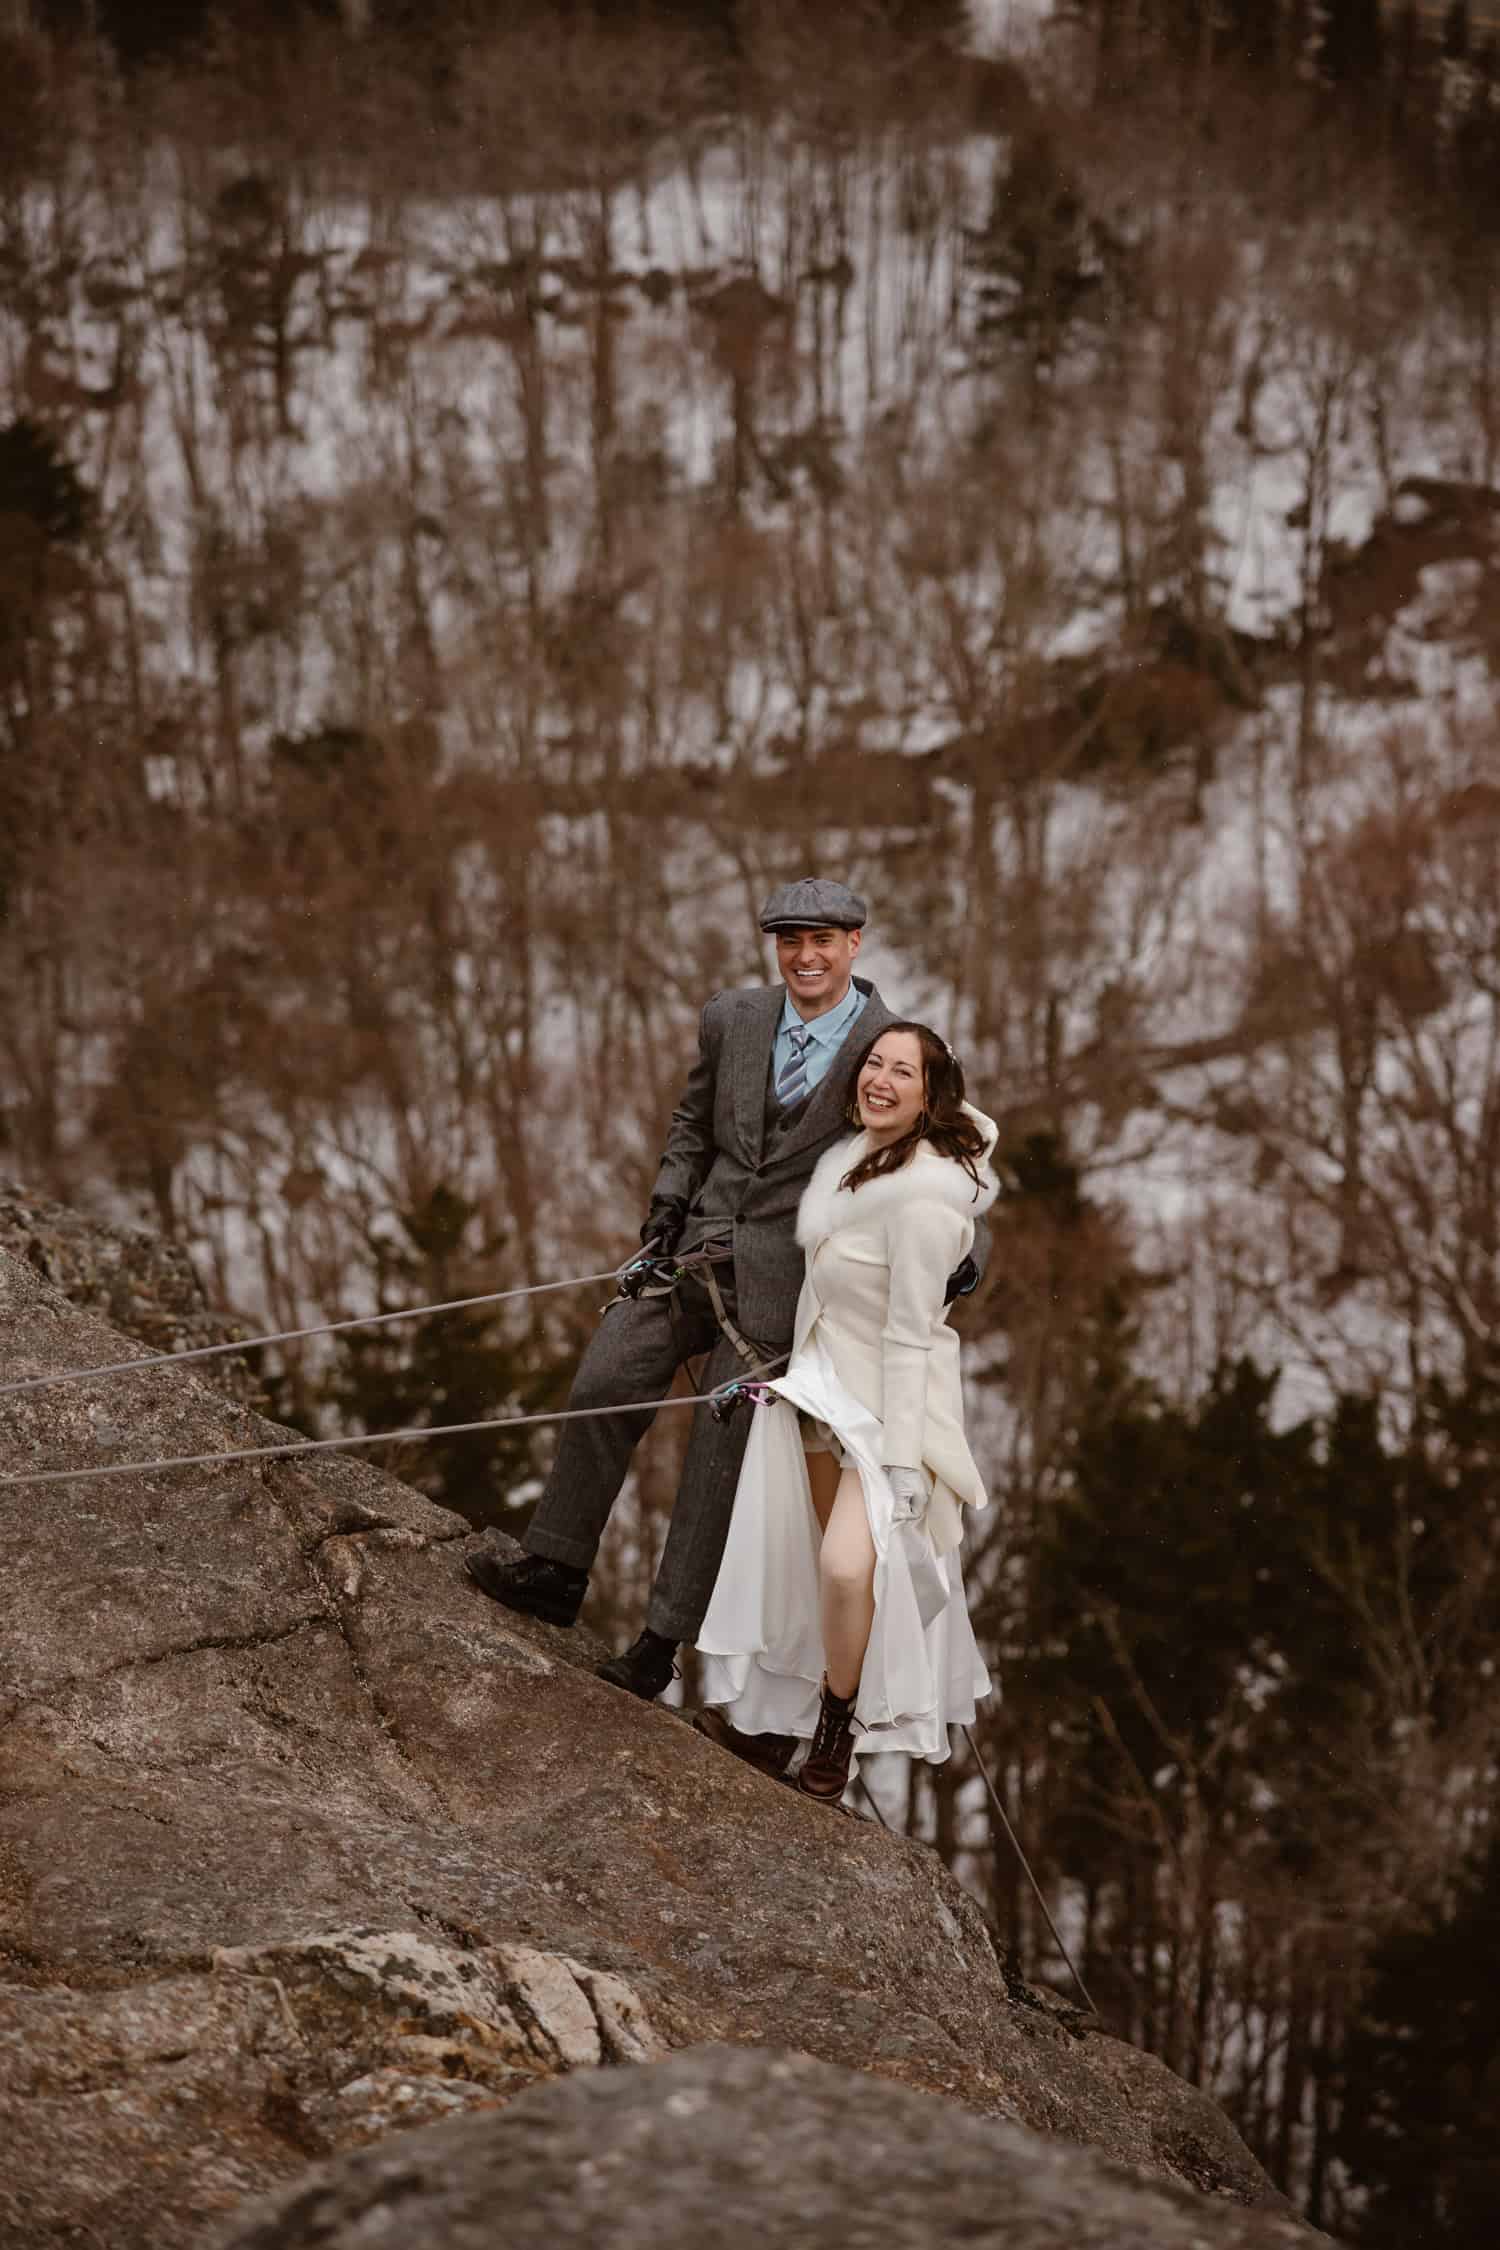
x,y
475,514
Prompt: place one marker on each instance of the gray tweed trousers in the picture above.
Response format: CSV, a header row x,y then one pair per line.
x,y
634,1354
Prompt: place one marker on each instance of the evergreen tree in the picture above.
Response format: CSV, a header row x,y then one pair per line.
x,y
1044,262
45,512
1421,2076
1313,1589
476,1365
1351,50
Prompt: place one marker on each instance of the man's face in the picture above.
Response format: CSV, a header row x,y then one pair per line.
x,y
816,966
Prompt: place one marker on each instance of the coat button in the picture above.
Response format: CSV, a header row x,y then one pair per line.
x,y
739,1218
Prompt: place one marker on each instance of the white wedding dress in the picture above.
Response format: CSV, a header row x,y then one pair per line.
x,y
761,1642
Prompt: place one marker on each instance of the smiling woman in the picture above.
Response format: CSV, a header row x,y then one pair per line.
x,y
839,1606
909,1089
890,1089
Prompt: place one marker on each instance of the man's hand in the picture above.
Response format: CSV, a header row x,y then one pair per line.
x,y
664,1224
963,1280
912,1494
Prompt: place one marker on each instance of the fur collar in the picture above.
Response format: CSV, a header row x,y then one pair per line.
x,y
928,1178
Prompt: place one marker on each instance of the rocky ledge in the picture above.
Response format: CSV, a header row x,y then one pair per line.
x,y
304,1844
726,2147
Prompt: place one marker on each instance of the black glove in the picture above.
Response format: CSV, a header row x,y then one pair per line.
x,y
962,1282
664,1224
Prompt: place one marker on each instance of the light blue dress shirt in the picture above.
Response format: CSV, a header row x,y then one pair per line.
x,y
828,1034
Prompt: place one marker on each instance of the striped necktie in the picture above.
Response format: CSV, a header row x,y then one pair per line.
x,y
791,1085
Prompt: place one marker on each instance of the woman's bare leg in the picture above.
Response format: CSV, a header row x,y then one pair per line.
x,y
846,1581
823,1476
824,1479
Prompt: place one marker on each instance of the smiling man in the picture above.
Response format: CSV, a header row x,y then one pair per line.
x,y
767,1095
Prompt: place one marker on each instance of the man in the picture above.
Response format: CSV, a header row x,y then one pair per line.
x,y
766,1097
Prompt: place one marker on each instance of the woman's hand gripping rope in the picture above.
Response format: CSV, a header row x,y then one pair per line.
x,y
912,1493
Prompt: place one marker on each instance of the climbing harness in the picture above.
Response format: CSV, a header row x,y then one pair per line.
x,y
656,1273
659,1274
747,1351
651,1273
740,1391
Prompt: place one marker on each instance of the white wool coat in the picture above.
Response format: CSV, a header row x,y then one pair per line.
x,y
878,1261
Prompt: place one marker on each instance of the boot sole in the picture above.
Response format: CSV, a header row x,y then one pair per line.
x,y
642,1695
773,1768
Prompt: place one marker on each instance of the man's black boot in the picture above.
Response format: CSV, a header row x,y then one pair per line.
x,y
535,1586
643,1669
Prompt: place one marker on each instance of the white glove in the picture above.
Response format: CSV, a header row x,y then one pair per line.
x,y
929,1582
911,1492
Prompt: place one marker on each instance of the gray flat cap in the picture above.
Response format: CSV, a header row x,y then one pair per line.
x,y
813,904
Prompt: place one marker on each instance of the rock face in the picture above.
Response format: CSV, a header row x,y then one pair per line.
x,y
722,2147
302,1840
137,1281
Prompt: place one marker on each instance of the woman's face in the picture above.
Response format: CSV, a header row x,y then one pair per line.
x,y
891,1086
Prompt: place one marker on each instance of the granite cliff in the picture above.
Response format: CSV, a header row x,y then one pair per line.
x,y
303,1844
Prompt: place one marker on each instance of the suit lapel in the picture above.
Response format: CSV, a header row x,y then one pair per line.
x,y
752,1068
825,1110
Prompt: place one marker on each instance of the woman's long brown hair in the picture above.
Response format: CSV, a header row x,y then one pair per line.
x,y
944,1121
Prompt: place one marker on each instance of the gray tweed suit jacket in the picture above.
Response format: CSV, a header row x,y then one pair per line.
x,y
738,1170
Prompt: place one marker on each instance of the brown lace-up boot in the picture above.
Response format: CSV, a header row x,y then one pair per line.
x,y
825,1769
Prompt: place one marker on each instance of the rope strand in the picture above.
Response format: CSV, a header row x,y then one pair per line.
x,y
295,1335
1026,1866
378,1437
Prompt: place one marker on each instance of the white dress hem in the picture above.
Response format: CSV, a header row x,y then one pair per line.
x,y
761,1640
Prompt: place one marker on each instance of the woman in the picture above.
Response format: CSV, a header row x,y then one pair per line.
x,y
839,1604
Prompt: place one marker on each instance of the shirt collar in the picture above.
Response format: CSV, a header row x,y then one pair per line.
x,y
828,1030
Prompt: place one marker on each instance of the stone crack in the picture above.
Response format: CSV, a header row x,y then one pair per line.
x,y
40,1699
